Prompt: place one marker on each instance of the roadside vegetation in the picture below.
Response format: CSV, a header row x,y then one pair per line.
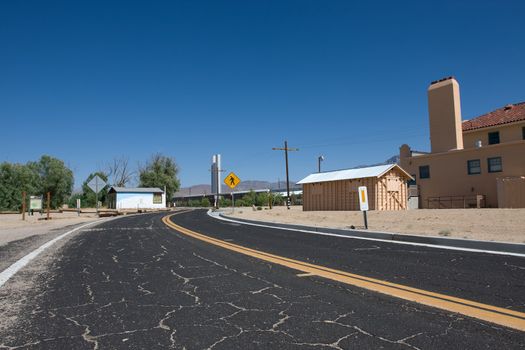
x,y
252,198
160,171
50,174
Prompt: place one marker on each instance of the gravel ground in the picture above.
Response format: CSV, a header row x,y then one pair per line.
x,y
13,228
505,225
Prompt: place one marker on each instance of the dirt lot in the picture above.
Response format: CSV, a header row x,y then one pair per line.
x,y
505,225
13,228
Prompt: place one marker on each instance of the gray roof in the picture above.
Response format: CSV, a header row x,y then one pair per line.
x,y
135,189
349,174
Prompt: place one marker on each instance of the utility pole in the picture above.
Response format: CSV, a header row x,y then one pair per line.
x,y
319,160
286,149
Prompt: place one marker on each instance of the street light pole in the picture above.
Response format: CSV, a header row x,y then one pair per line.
x,y
319,160
286,149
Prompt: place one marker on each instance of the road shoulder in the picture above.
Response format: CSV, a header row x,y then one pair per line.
x,y
424,240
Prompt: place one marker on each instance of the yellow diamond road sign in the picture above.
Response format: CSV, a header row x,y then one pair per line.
x,y
232,180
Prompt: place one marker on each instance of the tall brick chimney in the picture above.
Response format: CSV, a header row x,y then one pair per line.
x,y
444,110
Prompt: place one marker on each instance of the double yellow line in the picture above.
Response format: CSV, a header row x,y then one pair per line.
x,y
494,314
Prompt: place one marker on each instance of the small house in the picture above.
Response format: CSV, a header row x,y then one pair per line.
x,y
338,190
136,198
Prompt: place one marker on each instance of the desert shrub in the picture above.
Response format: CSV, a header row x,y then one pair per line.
x,y
444,233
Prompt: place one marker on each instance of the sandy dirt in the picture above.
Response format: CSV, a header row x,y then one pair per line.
x,y
12,227
505,225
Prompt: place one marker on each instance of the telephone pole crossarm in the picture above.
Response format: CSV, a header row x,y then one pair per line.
x,y
285,149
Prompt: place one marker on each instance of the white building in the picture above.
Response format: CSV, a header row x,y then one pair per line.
x,y
136,198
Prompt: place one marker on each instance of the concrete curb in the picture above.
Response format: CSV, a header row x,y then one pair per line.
x,y
512,248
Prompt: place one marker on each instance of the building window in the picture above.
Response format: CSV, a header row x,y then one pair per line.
x,y
474,166
495,164
157,198
493,138
424,172
523,132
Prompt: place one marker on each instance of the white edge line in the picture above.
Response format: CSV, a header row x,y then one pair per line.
x,y
217,216
22,262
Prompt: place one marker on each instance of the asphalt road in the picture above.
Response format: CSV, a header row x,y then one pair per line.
x,y
134,283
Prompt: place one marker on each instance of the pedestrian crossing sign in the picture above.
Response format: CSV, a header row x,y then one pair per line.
x,y
232,180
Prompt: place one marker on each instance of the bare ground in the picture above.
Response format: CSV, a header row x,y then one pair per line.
x,y
505,225
13,228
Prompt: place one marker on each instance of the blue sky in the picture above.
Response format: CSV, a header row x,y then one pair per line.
x,y
87,81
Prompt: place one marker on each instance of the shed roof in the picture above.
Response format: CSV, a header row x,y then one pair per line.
x,y
135,189
349,174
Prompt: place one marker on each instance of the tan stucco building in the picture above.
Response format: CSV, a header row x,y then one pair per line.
x,y
477,162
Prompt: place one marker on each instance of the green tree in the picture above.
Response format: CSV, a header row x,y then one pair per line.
x,y
194,203
72,201
15,179
278,199
55,178
250,198
240,203
89,198
205,202
160,171
262,199
225,202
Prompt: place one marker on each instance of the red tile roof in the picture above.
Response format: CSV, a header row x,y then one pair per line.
x,y
508,114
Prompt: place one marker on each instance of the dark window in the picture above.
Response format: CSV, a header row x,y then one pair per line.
x,y
523,132
424,172
493,138
474,166
495,164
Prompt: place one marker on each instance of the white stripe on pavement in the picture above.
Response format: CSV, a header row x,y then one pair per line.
x,y
15,267
217,216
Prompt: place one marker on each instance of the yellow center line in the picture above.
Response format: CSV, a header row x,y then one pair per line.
x,y
490,313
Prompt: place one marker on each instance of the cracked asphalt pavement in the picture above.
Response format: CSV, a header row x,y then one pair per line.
x,y
134,283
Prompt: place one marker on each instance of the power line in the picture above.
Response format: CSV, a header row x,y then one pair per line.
x,y
375,137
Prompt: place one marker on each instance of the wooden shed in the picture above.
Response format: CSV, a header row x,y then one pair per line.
x,y
337,190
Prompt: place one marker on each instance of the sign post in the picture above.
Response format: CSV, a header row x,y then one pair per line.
x,y
23,205
363,203
48,205
78,206
96,184
232,181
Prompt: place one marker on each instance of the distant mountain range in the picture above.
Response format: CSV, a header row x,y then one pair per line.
x,y
243,186
260,185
